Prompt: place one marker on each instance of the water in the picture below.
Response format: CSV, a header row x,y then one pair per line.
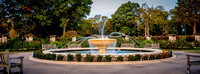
x,y
108,51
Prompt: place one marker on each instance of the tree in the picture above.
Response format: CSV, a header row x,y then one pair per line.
x,y
85,27
46,15
160,17
145,16
189,12
125,16
99,21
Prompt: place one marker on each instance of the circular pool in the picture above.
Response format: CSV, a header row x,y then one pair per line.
x,y
122,51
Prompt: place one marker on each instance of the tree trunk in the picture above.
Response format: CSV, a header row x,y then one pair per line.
x,y
64,29
194,28
145,30
147,27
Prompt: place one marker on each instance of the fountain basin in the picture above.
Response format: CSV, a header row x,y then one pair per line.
x,y
102,44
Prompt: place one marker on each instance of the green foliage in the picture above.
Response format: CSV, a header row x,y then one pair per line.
x,y
137,57
99,58
78,56
125,16
59,44
49,56
152,57
89,58
120,58
125,30
145,57
131,58
108,58
145,42
70,57
197,43
60,57
189,39
158,56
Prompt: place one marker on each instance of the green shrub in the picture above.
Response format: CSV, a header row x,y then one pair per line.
x,y
197,43
51,56
60,57
57,44
108,58
78,56
131,58
40,55
190,39
152,57
145,42
99,58
89,58
120,58
70,57
145,57
137,57
158,56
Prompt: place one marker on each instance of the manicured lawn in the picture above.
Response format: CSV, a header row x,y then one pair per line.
x,y
194,50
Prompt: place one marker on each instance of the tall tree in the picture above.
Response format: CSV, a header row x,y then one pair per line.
x,y
191,9
145,16
124,17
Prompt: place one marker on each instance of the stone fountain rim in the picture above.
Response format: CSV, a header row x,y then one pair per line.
x,y
102,40
153,51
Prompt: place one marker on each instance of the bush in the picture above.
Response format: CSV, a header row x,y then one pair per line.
x,y
120,58
197,43
89,58
99,58
152,57
78,56
131,58
189,39
145,42
70,57
57,44
145,57
60,57
158,56
137,57
49,56
108,58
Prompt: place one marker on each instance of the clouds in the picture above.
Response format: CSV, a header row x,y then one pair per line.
x,y
108,7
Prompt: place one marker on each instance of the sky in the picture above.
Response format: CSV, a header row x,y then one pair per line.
x,y
108,7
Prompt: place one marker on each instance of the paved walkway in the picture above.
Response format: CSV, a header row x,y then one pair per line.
x,y
176,66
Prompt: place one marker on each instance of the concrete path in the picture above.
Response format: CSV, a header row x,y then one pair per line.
x,y
176,66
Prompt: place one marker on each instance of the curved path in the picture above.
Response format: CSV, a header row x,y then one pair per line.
x,y
176,66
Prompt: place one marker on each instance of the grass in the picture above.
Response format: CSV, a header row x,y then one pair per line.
x,y
15,52
194,50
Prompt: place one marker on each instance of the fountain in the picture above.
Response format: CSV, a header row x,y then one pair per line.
x,y
102,44
105,46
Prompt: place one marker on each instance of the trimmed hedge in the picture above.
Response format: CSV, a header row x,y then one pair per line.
x,y
108,58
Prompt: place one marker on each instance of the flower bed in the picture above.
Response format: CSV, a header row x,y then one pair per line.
x,y
100,58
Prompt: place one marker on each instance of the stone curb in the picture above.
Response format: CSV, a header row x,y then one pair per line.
x,y
101,63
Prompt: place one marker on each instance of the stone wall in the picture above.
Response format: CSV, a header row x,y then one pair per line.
x,y
52,38
197,37
172,37
29,38
4,39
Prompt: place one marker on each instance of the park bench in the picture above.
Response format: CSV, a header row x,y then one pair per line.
x,y
127,45
189,62
49,46
74,46
5,62
153,46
